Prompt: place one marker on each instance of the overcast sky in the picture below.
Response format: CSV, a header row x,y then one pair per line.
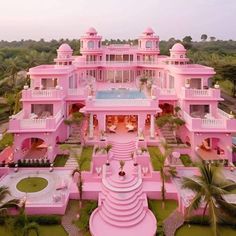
x,y
35,19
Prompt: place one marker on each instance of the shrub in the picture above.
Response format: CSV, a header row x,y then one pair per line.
x,y
186,160
46,219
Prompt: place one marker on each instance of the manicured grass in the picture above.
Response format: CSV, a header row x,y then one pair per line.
x,y
154,154
162,213
60,160
196,230
57,230
85,212
32,184
86,157
186,160
7,140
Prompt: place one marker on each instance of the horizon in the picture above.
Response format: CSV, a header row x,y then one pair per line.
x,y
58,19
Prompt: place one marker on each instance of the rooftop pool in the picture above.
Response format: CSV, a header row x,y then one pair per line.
x,y
120,94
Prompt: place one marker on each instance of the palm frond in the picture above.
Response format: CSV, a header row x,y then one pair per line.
x,y
195,203
191,184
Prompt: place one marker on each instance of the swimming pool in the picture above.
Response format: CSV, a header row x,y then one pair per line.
x,y
120,94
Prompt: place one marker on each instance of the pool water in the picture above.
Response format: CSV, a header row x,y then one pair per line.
x,y
120,94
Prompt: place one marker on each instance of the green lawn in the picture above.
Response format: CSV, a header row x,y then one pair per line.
x,y
60,160
197,230
162,213
86,156
32,184
154,153
85,212
57,230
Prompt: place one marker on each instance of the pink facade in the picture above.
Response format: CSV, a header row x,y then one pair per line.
x,y
77,80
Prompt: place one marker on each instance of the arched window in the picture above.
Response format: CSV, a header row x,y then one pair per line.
x,y
149,44
90,44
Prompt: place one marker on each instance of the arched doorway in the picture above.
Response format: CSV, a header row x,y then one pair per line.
x,y
34,148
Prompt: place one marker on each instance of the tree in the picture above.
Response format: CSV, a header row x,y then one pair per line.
x,y
23,224
203,37
13,66
166,171
228,71
212,38
187,39
6,205
77,171
209,188
172,120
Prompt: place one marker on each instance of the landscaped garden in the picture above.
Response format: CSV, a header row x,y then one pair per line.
x,y
86,157
154,153
32,184
60,160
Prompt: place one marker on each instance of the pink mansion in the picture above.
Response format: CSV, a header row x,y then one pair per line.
x,y
105,83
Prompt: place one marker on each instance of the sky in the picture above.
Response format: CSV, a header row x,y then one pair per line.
x,y
124,19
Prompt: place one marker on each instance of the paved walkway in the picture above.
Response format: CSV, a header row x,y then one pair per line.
x,y
67,221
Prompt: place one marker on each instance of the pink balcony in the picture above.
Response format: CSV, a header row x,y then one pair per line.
x,y
166,94
223,121
203,94
19,123
33,94
77,93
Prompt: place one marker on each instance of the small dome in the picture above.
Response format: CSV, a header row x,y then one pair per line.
x,y
91,30
148,31
178,47
65,48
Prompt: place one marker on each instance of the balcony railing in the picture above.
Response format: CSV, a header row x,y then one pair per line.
x,y
42,94
200,93
118,63
18,122
205,123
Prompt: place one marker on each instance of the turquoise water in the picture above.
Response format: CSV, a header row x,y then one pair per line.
x,y
120,94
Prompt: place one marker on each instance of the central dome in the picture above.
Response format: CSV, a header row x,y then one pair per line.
x,y
178,47
65,48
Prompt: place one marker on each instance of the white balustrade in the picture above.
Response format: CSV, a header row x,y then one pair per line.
x,y
213,123
32,123
224,114
42,93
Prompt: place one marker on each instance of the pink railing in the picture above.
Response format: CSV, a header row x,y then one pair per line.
x,y
198,93
17,122
198,123
42,94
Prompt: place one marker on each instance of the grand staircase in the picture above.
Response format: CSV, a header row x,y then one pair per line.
x,y
168,134
122,151
123,208
74,137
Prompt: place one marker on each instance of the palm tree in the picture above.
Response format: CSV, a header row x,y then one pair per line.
x,y
6,205
23,224
209,188
13,66
166,171
78,170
